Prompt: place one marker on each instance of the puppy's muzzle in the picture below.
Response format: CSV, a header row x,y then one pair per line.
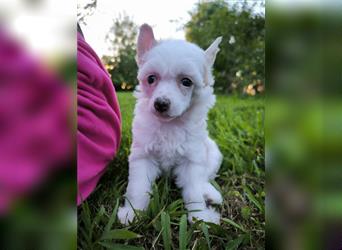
x,y
162,105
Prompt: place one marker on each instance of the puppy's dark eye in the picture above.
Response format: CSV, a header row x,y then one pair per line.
x,y
151,79
186,82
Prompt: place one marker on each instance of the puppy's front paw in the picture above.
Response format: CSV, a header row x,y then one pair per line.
x,y
126,214
208,215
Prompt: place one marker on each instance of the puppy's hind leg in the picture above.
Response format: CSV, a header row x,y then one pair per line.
x,y
214,158
142,173
211,195
192,178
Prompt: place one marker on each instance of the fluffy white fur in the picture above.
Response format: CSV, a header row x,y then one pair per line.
x,y
176,140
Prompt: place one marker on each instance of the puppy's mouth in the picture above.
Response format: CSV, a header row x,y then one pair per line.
x,y
163,117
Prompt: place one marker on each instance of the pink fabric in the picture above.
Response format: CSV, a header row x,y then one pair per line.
x,y
99,120
35,136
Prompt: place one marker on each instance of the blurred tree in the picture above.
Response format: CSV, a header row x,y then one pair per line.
x,y
239,66
85,10
121,63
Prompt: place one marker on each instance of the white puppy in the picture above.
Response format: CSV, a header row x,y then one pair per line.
x,y
174,96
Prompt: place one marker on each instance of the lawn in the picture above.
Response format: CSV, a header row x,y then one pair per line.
x,y
237,125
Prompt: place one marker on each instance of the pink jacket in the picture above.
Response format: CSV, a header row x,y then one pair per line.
x,y
99,120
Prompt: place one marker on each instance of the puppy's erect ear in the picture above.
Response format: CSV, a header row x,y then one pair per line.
x,y
211,52
146,41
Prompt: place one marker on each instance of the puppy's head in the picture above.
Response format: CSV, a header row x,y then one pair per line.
x,y
171,71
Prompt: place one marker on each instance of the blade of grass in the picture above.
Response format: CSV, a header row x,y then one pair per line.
x,y
155,218
85,235
172,208
204,228
156,239
183,232
234,244
165,221
99,215
119,234
155,201
195,245
112,218
252,198
114,246
85,215
234,224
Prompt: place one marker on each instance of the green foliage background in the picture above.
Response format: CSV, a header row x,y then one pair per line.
x,y
240,61
239,67
121,65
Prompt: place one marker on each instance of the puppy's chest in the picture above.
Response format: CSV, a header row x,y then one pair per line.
x,y
168,146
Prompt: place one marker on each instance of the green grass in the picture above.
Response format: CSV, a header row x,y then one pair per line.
x,y
237,126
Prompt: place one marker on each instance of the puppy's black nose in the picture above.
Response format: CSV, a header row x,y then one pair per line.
x,y
161,104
